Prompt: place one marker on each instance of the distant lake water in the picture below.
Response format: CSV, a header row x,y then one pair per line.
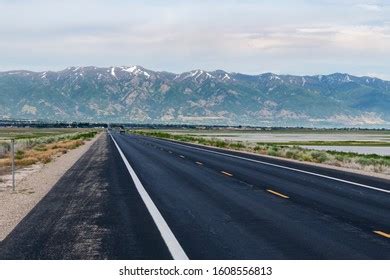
x,y
382,151
264,137
286,137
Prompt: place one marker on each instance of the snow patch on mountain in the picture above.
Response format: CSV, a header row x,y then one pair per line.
x,y
136,70
226,77
113,72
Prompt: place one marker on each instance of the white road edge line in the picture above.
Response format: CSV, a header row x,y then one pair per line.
x,y
169,238
285,167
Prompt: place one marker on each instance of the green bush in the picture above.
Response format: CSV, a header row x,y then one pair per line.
x,y
290,154
19,154
306,157
236,145
341,158
272,153
219,144
273,148
372,161
319,156
83,135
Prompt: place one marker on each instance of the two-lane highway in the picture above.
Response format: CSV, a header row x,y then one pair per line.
x,y
162,199
223,206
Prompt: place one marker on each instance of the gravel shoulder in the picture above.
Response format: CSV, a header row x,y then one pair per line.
x,y
32,184
93,211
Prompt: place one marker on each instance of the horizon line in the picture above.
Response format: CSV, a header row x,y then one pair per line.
x,y
198,69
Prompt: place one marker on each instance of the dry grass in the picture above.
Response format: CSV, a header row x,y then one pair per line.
x,y
42,153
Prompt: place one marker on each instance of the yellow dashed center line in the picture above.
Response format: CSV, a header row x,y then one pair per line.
x,y
278,194
381,233
198,163
226,173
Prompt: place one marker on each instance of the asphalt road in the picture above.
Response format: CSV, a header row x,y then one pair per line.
x,y
204,203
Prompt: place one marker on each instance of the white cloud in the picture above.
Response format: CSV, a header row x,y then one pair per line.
x,y
242,36
370,7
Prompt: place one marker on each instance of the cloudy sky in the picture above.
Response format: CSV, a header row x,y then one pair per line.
x,y
249,36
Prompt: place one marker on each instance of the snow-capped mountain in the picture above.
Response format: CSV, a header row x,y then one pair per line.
x,y
136,94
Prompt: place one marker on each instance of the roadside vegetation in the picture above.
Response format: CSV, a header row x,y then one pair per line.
x,y
370,163
30,133
43,148
336,143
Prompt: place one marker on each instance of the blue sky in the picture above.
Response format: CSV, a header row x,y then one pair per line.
x,y
294,37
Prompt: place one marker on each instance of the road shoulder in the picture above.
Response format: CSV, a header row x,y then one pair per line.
x,y
32,188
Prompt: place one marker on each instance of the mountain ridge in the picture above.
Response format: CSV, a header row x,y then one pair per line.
x,y
137,94
175,73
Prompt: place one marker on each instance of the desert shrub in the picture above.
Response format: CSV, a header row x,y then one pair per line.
x,y
272,149
76,144
40,147
50,140
83,135
272,152
156,134
373,161
341,157
296,154
202,141
5,162
45,159
259,148
306,157
236,145
19,154
26,161
219,144
185,138
290,154
319,156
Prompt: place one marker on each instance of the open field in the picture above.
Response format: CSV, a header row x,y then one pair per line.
x,y
29,133
359,149
39,145
290,149
296,136
355,141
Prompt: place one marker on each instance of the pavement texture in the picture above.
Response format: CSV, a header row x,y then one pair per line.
x,y
217,206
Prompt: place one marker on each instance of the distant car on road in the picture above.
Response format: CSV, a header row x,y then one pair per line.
x,y
122,131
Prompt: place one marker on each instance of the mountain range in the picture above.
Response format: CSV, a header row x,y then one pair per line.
x,y
138,95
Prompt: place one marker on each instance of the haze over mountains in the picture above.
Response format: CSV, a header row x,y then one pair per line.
x,y
135,94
